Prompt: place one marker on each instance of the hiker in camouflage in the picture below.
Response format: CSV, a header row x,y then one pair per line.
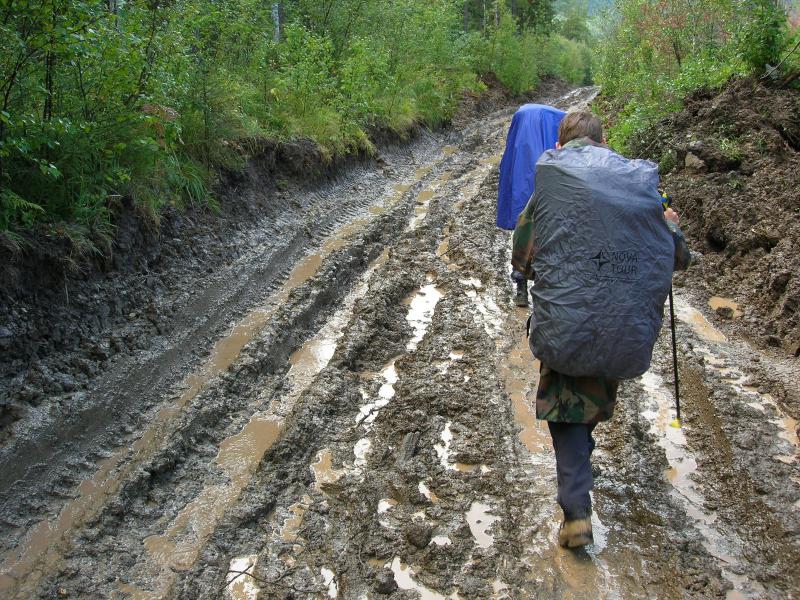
x,y
573,406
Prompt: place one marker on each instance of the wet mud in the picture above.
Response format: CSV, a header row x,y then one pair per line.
x,y
729,161
367,430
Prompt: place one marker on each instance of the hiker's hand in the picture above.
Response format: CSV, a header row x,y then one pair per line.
x,y
671,216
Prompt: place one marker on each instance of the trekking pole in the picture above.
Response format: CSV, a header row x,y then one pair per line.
x,y
666,201
677,421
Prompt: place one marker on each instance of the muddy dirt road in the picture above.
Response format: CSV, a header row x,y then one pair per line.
x,y
365,430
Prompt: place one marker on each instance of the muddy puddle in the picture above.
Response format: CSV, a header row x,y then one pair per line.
x,y
325,475
310,359
421,208
404,577
585,574
725,547
360,453
290,529
241,586
329,581
443,452
493,160
238,457
582,574
422,172
368,412
698,322
41,546
420,312
720,304
480,520
427,493
382,205
520,375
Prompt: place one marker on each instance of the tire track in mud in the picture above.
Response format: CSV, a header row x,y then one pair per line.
x,y
376,438
418,493
416,505
739,476
367,233
59,443
435,494
168,464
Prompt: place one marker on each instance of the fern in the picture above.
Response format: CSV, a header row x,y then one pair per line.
x,y
14,209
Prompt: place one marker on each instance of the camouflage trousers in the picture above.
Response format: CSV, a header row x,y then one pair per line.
x,y
564,399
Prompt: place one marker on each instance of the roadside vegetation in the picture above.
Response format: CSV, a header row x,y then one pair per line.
x,y
148,100
652,53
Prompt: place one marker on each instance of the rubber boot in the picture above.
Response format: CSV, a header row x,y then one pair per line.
x,y
575,533
521,297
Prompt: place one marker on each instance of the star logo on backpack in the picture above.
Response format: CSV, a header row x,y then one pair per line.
x,y
600,260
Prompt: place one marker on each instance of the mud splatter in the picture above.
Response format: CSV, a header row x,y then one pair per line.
x,y
242,586
420,313
480,521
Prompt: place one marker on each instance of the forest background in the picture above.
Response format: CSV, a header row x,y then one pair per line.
x,y
151,99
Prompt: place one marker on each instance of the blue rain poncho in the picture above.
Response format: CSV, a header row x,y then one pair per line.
x,y
533,130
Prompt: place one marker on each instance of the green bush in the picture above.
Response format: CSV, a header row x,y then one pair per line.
x,y
568,59
761,36
149,102
653,54
513,57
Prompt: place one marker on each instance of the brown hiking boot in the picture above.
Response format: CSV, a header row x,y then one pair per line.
x,y
575,533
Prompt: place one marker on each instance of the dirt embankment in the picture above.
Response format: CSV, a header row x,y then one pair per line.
x,y
731,161
66,315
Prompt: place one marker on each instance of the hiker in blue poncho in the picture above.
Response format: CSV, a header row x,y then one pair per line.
x,y
533,130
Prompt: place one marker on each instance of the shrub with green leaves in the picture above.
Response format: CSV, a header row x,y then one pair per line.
x,y
149,100
566,58
654,52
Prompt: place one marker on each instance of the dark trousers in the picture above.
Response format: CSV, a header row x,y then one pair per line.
x,y
573,444
516,276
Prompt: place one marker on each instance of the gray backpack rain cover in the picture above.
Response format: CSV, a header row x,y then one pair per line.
x,y
603,260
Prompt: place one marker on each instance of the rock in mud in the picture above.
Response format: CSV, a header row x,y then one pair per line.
x,y
419,534
385,583
694,162
409,447
65,381
724,312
